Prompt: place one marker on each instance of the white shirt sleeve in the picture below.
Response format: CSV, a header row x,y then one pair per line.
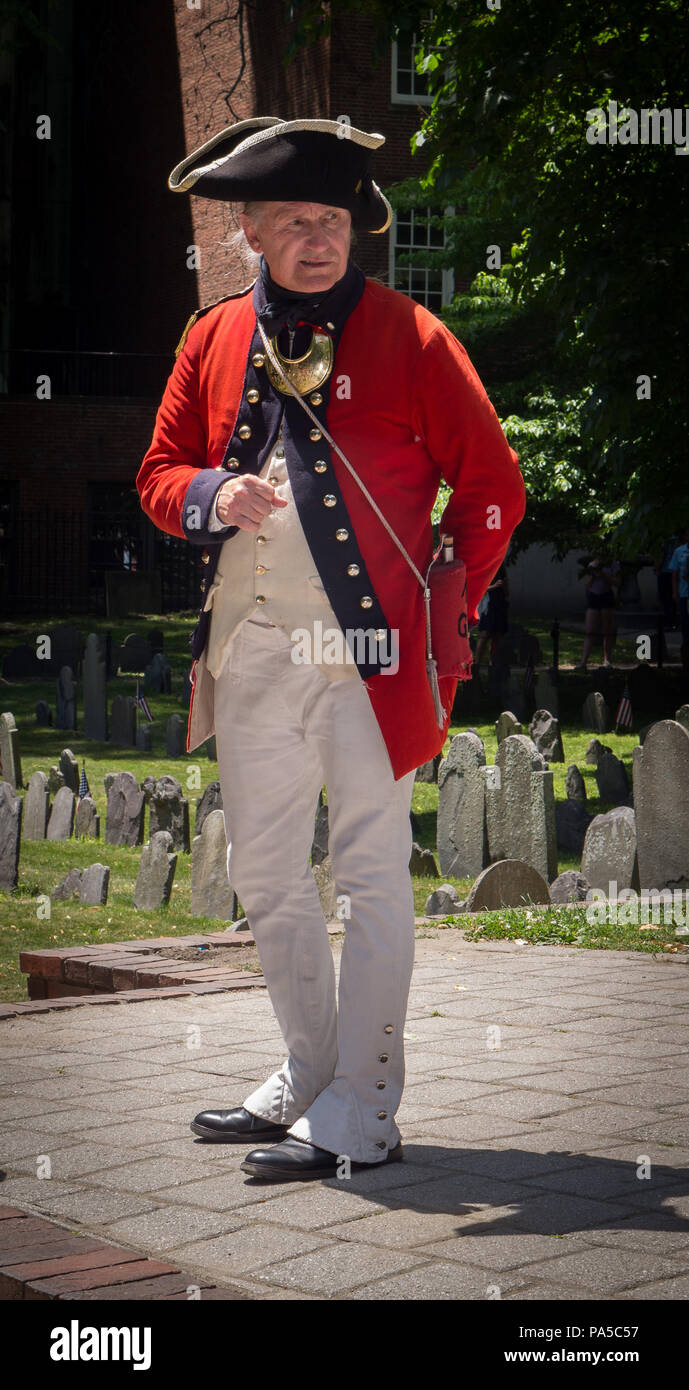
x,y
214,522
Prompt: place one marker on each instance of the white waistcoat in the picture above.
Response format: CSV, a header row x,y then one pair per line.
x,y
269,576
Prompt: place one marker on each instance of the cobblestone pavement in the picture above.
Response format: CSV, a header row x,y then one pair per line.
x,y
545,1122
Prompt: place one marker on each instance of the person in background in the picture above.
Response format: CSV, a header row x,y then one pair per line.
x,y
603,579
493,620
664,577
679,569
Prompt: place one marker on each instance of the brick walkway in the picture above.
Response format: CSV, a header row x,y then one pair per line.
x,y
522,1177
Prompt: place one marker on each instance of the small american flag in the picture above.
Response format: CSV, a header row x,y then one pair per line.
x,y
624,709
142,703
84,789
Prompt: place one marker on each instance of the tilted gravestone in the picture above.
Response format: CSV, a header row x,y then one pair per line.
x,y
156,873
170,811
175,736
593,752
123,721
422,862
575,786
569,887
66,700
211,894
461,807
68,888
55,780
210,801
36,807
506,724
93,890
428,772
610,851
612,779
595,713
86,820
443,901
520,807
544,730
62,815
10,836
95,676
124,821
661,801
69,768
507,883
10,761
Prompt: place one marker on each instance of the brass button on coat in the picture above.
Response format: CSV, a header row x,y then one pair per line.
x,y
316,398
260,598
260,569
258,359
244,431
387,1028
233,463
315,435
273,479
320,466
384,1057
352,570
380,1085
329,500
253,396
341,534
366,601
260,540
380,634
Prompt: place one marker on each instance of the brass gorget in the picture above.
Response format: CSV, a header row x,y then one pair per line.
x,y
306,373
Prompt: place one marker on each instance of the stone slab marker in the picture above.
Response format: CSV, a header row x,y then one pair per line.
x,y
95,688
211,894
123,721
211,800
93,889
611,778
661,801
176,736
461,808
36,808
62,815
544,729
69,768
610,851
575,786
10,836
507,883
520,807
506,724
156,872
595,713
10,761
66,700
170,811
86,820
124,821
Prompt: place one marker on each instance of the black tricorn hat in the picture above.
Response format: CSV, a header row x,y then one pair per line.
x,y
268,159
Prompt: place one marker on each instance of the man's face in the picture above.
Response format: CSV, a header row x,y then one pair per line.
x,y
306,245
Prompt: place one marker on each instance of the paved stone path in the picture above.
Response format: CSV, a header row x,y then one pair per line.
x,y
545,1121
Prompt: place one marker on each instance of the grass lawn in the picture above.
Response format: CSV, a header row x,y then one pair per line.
x,y
44,864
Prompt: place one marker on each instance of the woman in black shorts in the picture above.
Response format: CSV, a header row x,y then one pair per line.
x,y
494,621
602,585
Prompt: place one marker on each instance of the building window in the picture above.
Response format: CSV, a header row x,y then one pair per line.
x,y
413,231
408,85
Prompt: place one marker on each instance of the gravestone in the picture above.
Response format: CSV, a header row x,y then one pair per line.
x,y
544,730
507,883
66,700
158,674
520,807
86,820
661,800
211,894
148,786
55,780
506,724
327,890
516,699
144,738
69,768
610,851
682,716
593,752
10,760
546,694
10,836
422,862
156,872
123,721
154,637
575,785
124,821
443,901
176,736
93,890
44,714
36,808
595,713
68,888
319,845
569,887
211,800
611,778
170,811
95,676
461,807
108,780
62,815
428,772
572,820
135,653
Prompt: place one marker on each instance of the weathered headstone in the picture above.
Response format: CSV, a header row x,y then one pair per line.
x,y
158,674
55,780
461,807
319,845
148,786
144,738
575,785
507,883
211,894
66,700
682,716
10,836
175,736
68,888
569,887
170,811
10,760
36,807
211,800
595,713
593,751
108,780
544,730
611,778
69,768
93,891
95,676
135,653
44,714
442,901
428,772
123,721
520,807
506,724
327,890
609,854
86,820
124,822
422,862
572,820
62,815
156,872
661,800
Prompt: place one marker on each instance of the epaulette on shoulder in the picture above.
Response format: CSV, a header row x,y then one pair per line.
x,y
198,313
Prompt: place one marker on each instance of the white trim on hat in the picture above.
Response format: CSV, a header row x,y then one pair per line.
x,y
269,126
180,184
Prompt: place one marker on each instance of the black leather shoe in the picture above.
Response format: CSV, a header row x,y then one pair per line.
x,y
294,1160
235,1127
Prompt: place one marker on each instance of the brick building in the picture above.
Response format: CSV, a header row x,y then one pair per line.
x,y
104,264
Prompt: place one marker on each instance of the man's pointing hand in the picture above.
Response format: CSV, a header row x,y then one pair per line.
x,y
245,501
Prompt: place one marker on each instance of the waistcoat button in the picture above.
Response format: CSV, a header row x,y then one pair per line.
x,y
244,431
260,598
315,435
329,500
366,601
352,570
341,534
260,540
321,466
258,359
252,397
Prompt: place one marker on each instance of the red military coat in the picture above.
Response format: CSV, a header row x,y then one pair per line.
x,y
408,409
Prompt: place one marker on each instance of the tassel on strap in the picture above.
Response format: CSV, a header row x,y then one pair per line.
x,y
431,663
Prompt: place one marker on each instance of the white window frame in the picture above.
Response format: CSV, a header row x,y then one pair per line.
x,y
406,98
448,276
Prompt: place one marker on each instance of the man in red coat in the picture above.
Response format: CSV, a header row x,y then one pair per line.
x,y
297,548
